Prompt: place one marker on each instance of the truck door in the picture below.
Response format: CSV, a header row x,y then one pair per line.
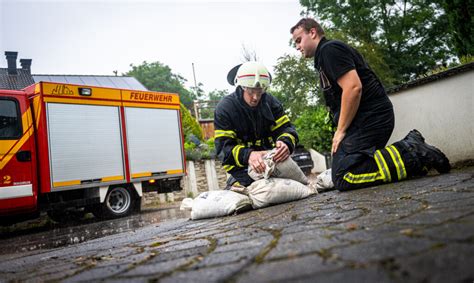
x,y
17,193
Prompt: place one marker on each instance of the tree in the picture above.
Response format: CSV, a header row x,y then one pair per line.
x,y
460,14
197,91
295,84
207,107
217,95
410,36
372,54
158,77
191,127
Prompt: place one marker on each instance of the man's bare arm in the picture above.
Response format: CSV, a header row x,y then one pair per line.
x,y
351,94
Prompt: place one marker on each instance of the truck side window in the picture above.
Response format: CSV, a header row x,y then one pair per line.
x,y
10,119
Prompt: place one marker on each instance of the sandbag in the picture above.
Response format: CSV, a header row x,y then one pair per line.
x,y
286,169
239,189
270,191
186,204
269,167
218,203
324,180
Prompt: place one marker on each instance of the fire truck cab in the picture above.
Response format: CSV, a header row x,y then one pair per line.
x,y
67,148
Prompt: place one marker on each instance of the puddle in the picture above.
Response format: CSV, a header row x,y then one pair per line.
x,y
45,234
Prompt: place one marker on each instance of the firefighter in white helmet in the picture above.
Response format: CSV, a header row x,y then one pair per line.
x,y
250,121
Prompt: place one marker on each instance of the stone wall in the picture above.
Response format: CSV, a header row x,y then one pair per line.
x,y
198,176
221,174
201,178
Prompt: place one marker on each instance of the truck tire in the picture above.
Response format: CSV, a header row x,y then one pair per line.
x,y
118,202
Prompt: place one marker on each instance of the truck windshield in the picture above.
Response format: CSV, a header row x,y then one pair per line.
x,y
10,126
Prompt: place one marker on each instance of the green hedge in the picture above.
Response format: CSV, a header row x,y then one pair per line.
x,y
194,145
190,125
313,130
205,150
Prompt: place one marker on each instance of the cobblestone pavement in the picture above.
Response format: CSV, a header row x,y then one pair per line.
x,y
414,231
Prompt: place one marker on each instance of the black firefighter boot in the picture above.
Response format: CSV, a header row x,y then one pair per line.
x,y
430,156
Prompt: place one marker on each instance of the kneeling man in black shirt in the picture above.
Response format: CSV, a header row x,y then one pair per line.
x,y
364,117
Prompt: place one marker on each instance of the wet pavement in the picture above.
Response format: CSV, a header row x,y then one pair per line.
x,y
43,233
420,230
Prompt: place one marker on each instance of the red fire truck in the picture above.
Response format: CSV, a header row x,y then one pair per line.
x,y
70,148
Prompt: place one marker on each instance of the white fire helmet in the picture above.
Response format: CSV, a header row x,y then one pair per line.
x,y
253,74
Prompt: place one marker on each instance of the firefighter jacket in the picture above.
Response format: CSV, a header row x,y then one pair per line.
x,y
241,129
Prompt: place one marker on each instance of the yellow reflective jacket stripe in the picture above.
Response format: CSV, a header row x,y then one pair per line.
x,y
235,154
223,133
292,138
280,122
228,167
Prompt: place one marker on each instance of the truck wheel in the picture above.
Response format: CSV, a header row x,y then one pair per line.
x,y
118,202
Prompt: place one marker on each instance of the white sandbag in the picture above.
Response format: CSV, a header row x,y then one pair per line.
x,y
269,168
218,203
239,189
286,169
270,191
186,204
324,180
290,170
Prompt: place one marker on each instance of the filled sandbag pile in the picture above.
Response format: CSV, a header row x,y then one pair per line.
x,y
281,182
287,169
216,204
266,192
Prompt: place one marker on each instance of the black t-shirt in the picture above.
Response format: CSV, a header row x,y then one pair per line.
x,y
333,59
